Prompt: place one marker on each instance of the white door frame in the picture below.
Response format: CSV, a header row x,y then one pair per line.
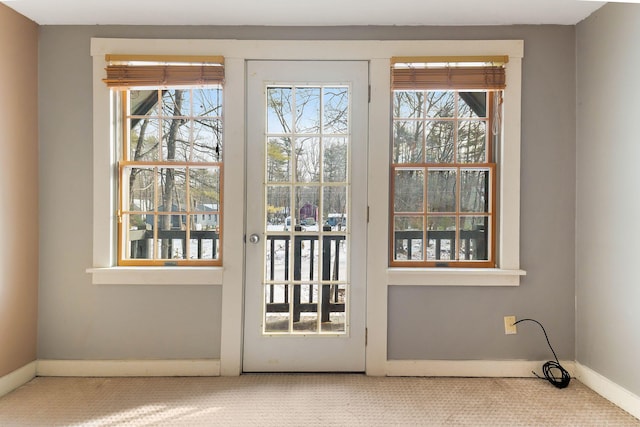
x,y
307,351
377,177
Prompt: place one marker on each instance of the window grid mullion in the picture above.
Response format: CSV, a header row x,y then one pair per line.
x,y
156,167
454,166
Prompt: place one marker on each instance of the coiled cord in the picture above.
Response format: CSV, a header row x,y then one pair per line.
x,y
548,368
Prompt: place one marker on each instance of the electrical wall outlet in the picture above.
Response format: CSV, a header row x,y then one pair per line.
x,y
509,327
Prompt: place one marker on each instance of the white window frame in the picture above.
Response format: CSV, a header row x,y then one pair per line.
x,y
105,268
379,276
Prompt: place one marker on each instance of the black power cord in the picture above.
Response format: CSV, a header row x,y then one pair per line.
x,y
549,367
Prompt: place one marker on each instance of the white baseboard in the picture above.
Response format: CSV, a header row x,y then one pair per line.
x,y
469,368
17,378
416,368
611,391
128,368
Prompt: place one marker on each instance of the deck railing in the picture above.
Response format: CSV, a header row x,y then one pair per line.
x,y
330,271
141,246
473,242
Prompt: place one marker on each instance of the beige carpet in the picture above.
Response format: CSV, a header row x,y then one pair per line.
x,y
306,400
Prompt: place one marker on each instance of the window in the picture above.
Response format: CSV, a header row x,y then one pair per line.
x,y
169,120
105,268
446,129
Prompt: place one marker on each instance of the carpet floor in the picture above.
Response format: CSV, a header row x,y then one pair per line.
x,y
306,400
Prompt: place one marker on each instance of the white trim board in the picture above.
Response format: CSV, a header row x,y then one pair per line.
x,y
611,391
469,368
128,368
454,277
17,378
307,49
156,276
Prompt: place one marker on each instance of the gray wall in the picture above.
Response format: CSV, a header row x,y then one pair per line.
x,y
467,323
18,190
608,200
79,320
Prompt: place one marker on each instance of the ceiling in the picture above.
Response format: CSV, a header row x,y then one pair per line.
x,y
305,12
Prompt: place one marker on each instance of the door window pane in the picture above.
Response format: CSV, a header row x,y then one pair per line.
x,y
335,159
307,194
278,159
307,159
336,110
334,206
307,110
279,113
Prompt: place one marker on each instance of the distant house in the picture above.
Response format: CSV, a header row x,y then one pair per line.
x,y
204,219
308,211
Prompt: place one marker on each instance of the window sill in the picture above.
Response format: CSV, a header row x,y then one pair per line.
x,y
156,275
453,277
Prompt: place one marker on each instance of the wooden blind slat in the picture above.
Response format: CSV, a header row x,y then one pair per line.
x,y
448,72
494,59
114,58
122,75
448,78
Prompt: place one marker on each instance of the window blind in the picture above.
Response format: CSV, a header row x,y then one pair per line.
x,y
158,71
445,72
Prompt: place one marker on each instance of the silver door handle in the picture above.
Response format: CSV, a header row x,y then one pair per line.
x,y
254,238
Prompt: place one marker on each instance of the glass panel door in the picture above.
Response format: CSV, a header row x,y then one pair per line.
x,y
306,207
